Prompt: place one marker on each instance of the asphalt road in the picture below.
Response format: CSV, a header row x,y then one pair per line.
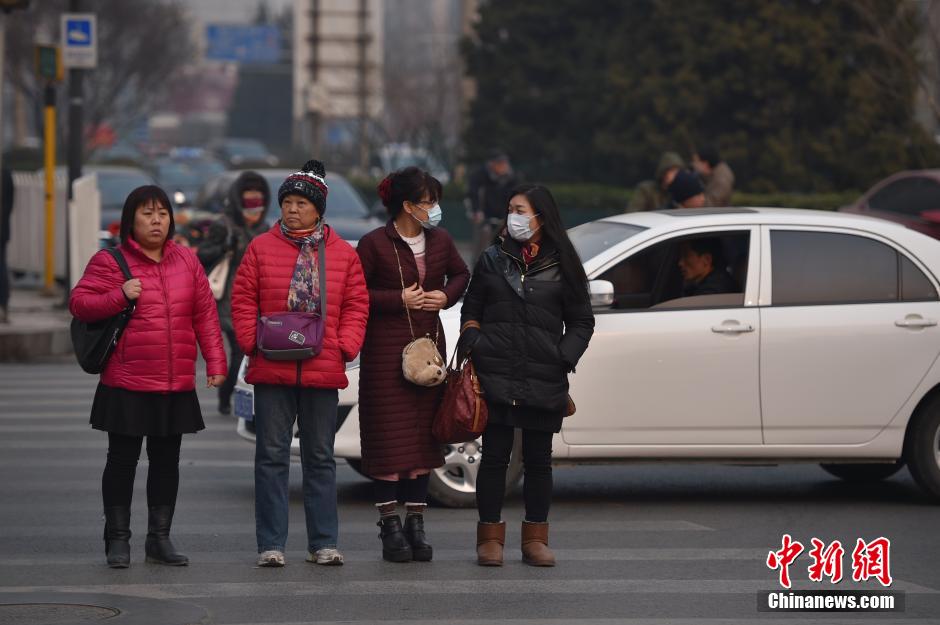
x,y
635,543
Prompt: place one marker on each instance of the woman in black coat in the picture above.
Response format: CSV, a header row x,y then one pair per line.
x,y
526,321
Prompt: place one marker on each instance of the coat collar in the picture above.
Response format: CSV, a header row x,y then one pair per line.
x,y
276,231
133,247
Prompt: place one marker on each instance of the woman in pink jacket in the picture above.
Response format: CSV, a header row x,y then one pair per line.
x,y
148,386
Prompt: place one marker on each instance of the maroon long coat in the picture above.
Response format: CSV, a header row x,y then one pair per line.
x,y
394,414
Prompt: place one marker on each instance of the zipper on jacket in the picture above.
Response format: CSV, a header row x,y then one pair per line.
x,y
169,326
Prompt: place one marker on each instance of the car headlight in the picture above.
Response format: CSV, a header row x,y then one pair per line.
x,y
179,198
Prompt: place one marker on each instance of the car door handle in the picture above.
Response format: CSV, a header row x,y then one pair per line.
x,y
732,328
915,321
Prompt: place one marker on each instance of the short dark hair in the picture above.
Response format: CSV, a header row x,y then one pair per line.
x,y
408,185
710,155
708,245
137,198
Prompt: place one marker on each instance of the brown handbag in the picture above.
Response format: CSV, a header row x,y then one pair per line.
x,y
462,413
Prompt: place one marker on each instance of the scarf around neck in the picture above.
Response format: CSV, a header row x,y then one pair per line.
x,y
304,293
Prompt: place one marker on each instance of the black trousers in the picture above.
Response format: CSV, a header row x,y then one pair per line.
x,y
408,491
537,464
163,478
234,362
4,276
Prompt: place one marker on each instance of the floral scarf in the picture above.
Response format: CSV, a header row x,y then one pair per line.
x,y
304,293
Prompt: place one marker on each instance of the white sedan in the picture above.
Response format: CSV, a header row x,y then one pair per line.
x,y
822,348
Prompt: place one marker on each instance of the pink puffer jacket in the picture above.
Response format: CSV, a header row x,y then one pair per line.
x,y
157,352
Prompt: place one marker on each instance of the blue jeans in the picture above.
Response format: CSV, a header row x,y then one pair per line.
x,y
276,407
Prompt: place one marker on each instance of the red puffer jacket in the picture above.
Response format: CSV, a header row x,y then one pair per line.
x,y
261,288
157,352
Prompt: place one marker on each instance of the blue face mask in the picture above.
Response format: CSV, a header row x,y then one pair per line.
x,y
435,214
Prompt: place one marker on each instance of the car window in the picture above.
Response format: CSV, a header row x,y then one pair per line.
x,y
915,286
659,277
908,196
115,186
831,268
594,237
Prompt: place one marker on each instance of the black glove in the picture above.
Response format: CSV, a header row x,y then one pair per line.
x,y
465,343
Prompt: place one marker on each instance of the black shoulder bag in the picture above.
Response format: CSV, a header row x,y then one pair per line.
x,y
94,342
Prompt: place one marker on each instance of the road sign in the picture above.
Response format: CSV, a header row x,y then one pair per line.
x,y
243,44
48,63
79,40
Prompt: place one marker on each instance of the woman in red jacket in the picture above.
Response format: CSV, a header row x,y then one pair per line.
x,y
280,272
413,271
148,386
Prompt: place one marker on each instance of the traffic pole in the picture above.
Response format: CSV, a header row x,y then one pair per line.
x,y
49,137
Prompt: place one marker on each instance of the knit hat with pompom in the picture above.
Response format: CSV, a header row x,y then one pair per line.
x,y
310,182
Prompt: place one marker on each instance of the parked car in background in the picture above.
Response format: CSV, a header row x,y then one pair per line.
x,y
346,210
243,152
910,198
183,172
824,351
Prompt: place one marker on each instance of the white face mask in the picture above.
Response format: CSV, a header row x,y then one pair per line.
x,y
519,228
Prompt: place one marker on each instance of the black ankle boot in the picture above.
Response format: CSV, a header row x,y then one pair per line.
x,y
395,547
117,534
158,546
414,531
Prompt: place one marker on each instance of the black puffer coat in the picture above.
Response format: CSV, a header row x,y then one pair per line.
x,y
532,333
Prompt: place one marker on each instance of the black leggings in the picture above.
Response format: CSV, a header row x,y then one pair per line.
x,y
537,463
163,477
411,491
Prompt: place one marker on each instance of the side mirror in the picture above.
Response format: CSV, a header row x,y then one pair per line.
x,y
602,293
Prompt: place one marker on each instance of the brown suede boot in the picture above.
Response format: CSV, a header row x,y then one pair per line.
x,y
535,551
490,540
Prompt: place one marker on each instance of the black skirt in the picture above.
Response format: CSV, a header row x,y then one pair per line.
x,y
525,417
137,413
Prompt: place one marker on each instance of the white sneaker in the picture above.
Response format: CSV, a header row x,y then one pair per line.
x,y
327,556
271,558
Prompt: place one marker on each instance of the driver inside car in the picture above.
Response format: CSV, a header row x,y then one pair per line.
x,y
702,264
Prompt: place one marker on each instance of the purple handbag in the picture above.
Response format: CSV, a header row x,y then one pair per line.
x,y
295,335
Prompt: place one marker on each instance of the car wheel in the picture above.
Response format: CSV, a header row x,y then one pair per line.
x,y
863,472
922,447
454,485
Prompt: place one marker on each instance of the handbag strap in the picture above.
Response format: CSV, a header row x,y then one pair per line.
x,y
401,276
125,269
321,261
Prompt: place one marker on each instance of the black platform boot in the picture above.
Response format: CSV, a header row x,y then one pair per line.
x,y
414,531
395,546
117,534
159,548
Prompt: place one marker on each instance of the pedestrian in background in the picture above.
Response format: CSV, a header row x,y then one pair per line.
x,y
686,190
651,195
526,320
716,174
6,210
413,271
488,190
147,388
280,272
243,219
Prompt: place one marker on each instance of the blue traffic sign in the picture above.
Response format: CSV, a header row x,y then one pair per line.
x,y
243,44
78,32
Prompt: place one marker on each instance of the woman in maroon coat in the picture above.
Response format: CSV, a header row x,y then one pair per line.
x,y
398,451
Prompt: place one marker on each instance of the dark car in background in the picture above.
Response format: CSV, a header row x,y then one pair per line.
x,y
243,152
910,198
115,183
183,172
346,210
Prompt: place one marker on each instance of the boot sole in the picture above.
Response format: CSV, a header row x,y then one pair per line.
x,y
490,562
537,563
396,556
150,560
422,555
119,565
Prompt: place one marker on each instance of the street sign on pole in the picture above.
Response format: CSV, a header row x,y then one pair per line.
x,y
243,44
48,63
79,40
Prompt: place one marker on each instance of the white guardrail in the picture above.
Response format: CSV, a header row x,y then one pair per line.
x,y
27,249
